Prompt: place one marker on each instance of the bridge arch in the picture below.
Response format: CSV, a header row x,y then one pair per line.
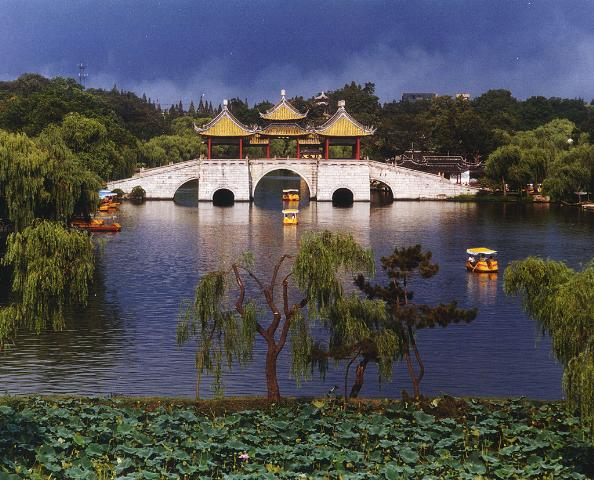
x,y
223,197
296,171
343,197
384,187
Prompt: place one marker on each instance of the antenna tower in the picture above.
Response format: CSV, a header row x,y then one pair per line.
x,y
82,74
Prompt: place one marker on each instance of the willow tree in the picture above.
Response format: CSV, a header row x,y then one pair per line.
x,y
561,300
362,332
226,328
52,268
42,178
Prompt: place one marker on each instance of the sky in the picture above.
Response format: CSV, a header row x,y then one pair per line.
x,y
179,50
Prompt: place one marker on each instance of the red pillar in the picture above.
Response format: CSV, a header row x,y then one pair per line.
x,y
241,148
298,151
268,150
358,149
327,149
209,148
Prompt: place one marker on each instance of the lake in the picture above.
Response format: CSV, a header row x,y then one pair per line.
x,y
124,342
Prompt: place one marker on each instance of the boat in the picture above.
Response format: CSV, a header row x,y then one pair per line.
x,y
291,195
290,216
482,260
96,225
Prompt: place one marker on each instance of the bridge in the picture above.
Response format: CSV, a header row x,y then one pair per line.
x,y
324,178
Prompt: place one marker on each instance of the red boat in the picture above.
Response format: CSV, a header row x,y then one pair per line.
x,y
96,225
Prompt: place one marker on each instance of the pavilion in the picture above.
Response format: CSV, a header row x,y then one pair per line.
x,y
285,121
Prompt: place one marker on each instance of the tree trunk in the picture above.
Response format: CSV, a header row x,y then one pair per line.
x,y
359,377
411,372
271,379
503,186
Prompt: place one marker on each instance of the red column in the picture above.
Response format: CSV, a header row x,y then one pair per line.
x,y
268,150
241,148
358,149
327,149
209,148
298,151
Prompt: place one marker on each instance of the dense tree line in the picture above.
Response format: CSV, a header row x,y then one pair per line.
x,y
137,131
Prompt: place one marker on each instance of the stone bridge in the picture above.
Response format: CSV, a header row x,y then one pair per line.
x,y
323,177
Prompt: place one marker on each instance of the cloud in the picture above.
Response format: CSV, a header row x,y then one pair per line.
x,y
565,68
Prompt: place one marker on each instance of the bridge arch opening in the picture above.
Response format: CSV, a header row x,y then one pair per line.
x,y
223,197
343,197
187,194
381,193
268,189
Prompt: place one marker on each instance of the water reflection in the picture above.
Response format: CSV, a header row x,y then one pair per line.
x,y
482,286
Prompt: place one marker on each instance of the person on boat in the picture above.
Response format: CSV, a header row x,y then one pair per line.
x,y
471,259
490,260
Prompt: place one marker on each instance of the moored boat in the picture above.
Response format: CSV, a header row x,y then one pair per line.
x,y
96,225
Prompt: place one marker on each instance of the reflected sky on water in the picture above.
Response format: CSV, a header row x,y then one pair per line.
x,y
124,342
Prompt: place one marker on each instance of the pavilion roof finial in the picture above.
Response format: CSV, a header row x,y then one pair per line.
x,y
283,93
341,104
225,103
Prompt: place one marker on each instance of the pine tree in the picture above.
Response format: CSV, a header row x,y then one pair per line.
x,y
359,331
192,109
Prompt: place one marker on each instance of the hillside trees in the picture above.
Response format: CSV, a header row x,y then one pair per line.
x,y
561,300
548,154
226,329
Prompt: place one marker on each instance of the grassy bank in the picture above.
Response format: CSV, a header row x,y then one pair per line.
x,y
444,438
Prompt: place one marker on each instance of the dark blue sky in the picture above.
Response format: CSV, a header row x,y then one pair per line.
x,y
251,49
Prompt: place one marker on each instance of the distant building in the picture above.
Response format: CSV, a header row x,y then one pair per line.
x,y
455,167
463,96
414,97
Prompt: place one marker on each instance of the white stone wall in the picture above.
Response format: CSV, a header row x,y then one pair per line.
x,y
161,182
408,184
224,174
350,174
323,178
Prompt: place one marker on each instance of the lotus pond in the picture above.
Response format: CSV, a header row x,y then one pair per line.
x,y
446,438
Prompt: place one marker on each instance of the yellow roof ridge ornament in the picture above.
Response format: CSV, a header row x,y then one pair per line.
x,y
342,124
283,110
225,125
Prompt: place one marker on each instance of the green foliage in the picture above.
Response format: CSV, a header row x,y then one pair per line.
x,y
42,178
382,328
226,329
322,258
544,155
447,439
52,268
167,149
561,300
138,194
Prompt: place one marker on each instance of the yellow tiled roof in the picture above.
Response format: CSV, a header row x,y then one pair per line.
x,y
283,130
225,125
283,111
311,139
257,139
341,124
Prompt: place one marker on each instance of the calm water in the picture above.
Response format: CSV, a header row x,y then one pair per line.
x,y
124,343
